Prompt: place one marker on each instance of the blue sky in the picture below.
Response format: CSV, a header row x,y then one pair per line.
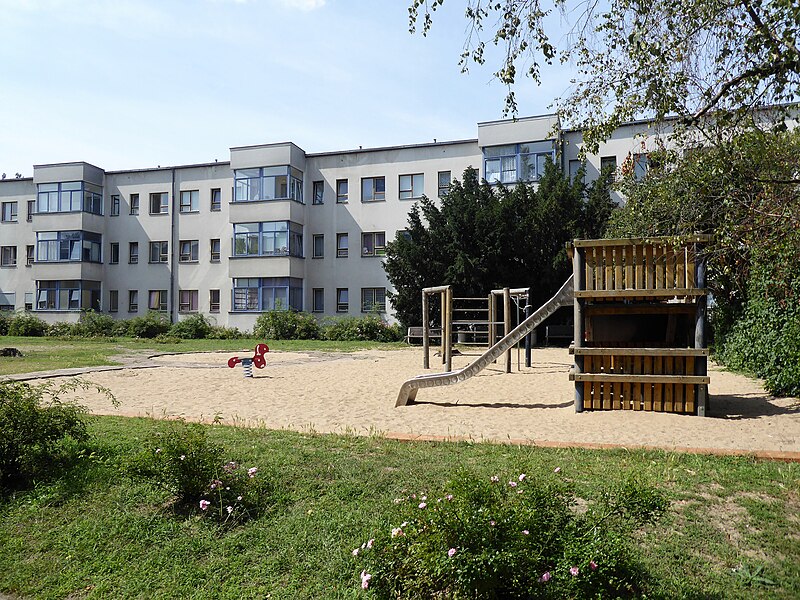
x,y
138,83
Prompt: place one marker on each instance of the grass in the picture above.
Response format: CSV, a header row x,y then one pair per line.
x,y
44,353
95,534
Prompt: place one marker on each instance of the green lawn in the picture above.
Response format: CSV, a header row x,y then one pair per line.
x,y
96,534
44,353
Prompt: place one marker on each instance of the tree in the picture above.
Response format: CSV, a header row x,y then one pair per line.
x,y
745,192
691,59
482,237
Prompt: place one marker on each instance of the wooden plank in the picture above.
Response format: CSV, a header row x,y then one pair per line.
x,y
668,387
648,388
656,378
680,273
669,265
608,263
691,273
660,265
640,309
606,385
689,239
690,389
638,252
678,392
589,278
627,387
618,283
657,388
649,277
651,293
600,351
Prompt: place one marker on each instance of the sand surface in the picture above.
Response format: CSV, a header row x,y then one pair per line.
x,y
355,393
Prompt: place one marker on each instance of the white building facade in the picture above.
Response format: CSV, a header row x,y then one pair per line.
x,y
275,227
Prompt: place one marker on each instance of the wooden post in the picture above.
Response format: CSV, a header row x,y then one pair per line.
x,y
448,294
701,364
492,319
528,338
443,324
426,338
507,323
579,283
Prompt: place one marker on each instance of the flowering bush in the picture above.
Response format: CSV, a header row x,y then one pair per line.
x,y
180,458
518,537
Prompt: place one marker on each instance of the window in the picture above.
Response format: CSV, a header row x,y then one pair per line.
x,y
159,252
8,300
641,163
29,255
157,300
114,253
68,295
341,191
68,246
71,196
341,245
113,300
443,183
412,186
187,301
213,301
318,301
114,212
133,300
9,212
269,238
318,251
373,244
8,256
159,203
189,251
215,250
574,168
255,294
517,162
608,162
190,201
133,253
216,200
268,183
319,192
373,299
342,303
134,204
31,210
373,189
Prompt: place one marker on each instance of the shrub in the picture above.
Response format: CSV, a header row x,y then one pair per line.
x,y
195,327
148,326
286,325
5,320
225,333
36,427
510,539
60,329
368,328
26,324
179,458
94,324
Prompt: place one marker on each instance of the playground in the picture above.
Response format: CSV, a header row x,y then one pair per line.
x,y
354,393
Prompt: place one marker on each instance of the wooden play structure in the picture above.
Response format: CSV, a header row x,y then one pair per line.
x,y
640,325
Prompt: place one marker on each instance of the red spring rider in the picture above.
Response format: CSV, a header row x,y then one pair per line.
x,y
258,360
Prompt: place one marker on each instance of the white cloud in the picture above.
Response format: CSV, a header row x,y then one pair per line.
x,y
304,5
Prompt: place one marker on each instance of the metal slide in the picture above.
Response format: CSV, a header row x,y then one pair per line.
x,y
408,391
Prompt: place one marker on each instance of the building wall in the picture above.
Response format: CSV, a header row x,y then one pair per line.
x,y
329,272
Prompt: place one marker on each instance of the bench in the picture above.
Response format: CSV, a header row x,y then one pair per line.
x,y
415,333
562,332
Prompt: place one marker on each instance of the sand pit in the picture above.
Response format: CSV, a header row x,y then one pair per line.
x,y
355,393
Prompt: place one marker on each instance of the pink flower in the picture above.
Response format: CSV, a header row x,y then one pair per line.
x,y
557,470
574,571
251,472
370,542
365,578
545,577
495,479
423,498
512,483
492,523
593,565
397,532
204,504
522,477
525,532
422,505
449,497
451,552
355,552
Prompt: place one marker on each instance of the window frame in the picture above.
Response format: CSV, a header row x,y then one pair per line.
x,y
133,199
318,192
342,306
214,306
163,203
414,187
162,252
113,253
69,197
133,257
315,293
73,292
374,194
256,187
188,301
215,204
314,239
113,210
258,232
162,297
342,191
133,301
113,300
373,306
69,246
193,204
11,215
216,256
342,252
8,256
442,190
188,251
377,250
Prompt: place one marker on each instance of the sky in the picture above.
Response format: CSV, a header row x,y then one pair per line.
x,y
128,84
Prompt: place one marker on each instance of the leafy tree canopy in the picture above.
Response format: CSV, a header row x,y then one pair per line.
x,y
482,237
641,58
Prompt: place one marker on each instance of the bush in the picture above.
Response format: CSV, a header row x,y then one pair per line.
x,y
60,329
35,432
5,320
148,326
94,324
26,324
510,539
195,327
286,325
180,459
225,333
368,328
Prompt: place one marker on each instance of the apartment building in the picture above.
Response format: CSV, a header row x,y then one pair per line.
x,y
275,227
